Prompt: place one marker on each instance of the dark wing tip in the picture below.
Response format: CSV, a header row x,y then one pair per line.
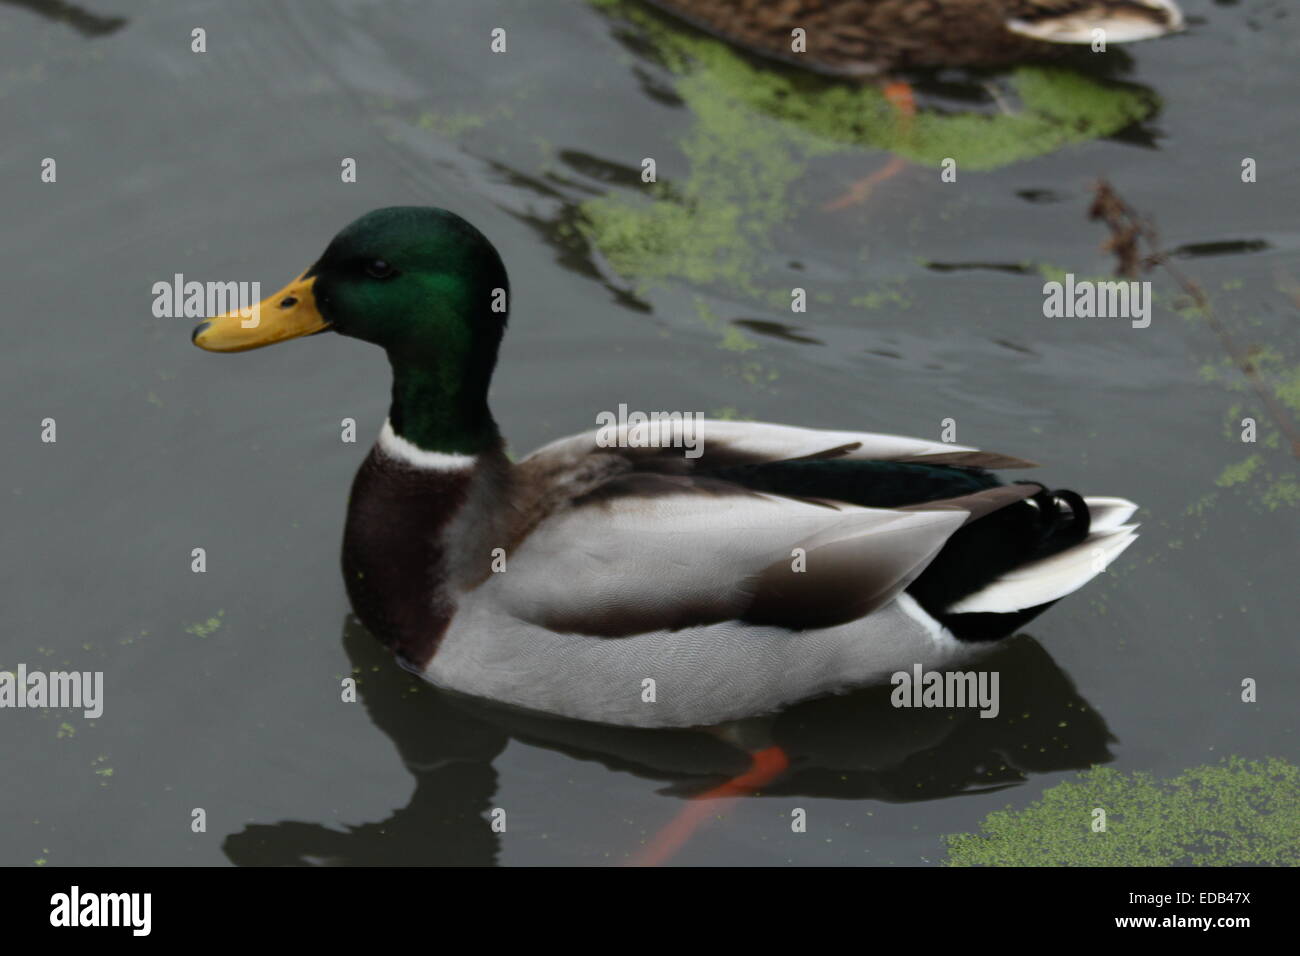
x,y
970,459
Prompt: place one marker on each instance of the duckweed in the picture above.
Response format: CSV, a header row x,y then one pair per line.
x,y
1236,812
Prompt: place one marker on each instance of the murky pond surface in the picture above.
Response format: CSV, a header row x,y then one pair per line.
x,y
925,303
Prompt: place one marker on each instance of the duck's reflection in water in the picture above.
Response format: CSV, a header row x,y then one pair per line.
x,y
850,747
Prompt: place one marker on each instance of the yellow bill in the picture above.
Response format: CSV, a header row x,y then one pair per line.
x,y
288,314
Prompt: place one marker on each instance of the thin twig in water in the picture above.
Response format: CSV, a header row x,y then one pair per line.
x,y
1128,231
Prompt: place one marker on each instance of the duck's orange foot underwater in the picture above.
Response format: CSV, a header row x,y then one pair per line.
x,y
903,99
765,766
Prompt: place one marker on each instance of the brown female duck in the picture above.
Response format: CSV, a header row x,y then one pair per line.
x,y
870,37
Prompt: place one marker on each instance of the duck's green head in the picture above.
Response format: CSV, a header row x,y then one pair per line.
x,y
420,282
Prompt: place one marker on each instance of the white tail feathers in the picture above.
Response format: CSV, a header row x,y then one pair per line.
x,y
1107,514
1054,577
1121,24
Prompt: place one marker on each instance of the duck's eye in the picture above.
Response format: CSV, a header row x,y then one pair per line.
x,y
378,269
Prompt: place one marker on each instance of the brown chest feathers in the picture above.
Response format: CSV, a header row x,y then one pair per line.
x,y
410,545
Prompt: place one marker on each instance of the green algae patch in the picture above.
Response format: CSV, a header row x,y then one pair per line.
x,y
1281,492
1056,108
454,124
1287,388
208,627
104,773
892,295
729,413
1267,476
1059,108
715,227
1241,471
1236,812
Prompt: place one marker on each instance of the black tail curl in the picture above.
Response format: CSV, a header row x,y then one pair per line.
x,y
1044,524
1060,527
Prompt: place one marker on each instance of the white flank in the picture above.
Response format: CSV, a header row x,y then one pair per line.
x,y
395,446
938,633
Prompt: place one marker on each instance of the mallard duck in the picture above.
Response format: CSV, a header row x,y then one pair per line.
x,y
868,37
698,579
